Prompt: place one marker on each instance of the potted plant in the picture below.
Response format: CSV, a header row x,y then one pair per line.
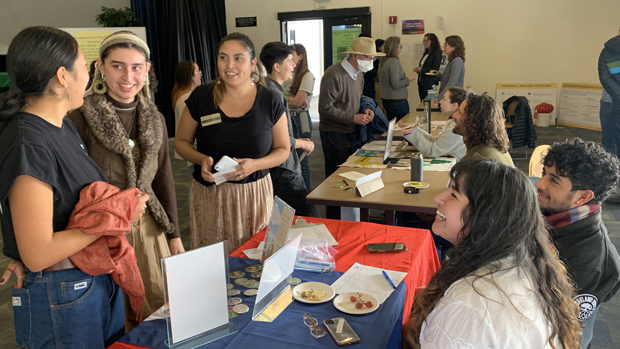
x,y
112,17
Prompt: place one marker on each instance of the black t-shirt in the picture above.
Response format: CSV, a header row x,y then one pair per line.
x,y
32,146
248,136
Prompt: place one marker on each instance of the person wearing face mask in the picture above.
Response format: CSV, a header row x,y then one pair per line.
x,y
339,103
393,81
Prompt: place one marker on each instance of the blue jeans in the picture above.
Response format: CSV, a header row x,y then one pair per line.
x,y
305,131
68,309
588,329
610,127
396,108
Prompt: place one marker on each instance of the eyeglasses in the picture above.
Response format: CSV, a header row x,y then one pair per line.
x,y
400,46
445,44
425,40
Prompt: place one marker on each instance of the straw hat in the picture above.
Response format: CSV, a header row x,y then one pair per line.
x,y
364,46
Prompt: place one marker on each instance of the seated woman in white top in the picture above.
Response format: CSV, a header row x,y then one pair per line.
x,y
503,286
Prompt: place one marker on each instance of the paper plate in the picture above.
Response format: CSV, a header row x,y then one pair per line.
x,y
344,304
314,286
419,185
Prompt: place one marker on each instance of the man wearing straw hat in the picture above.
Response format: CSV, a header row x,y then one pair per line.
x,y
339,103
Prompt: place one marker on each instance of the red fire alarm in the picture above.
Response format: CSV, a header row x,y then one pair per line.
x,y
393,20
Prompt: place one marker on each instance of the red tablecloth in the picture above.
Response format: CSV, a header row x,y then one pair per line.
x,y
420,261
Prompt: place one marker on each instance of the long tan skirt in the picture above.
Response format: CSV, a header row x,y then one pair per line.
x,y
150,243
233,212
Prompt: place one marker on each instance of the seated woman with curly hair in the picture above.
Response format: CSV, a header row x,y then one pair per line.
x,y
503,286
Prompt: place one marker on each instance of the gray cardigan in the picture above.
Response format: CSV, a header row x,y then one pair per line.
x,y
393,80
453,76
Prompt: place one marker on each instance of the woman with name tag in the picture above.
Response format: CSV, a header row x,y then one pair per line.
x,y
503,286
238,117
126,136
43,167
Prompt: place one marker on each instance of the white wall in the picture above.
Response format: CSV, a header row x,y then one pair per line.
x,y
16,15
507,41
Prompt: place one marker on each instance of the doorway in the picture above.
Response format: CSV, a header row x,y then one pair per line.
x,y
326,34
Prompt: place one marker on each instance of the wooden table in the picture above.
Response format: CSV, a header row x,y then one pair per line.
x,y
434,106
391,198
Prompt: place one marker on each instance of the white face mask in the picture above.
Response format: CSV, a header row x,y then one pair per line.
x,y
364,66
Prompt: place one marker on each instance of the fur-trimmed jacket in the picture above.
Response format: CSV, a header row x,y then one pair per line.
x,y
108,145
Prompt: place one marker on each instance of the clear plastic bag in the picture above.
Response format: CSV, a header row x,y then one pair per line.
x,y
315,256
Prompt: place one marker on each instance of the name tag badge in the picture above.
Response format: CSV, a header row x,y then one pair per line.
x,y
209,120
80,286
17,301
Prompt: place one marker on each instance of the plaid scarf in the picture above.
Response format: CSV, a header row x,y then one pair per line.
x,y
564,218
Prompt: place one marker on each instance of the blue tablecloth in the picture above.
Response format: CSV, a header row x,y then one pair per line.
x,y
379,329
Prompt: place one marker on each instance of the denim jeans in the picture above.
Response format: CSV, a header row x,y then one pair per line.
x,y
396,108
610,127
68,309
588,329
305,131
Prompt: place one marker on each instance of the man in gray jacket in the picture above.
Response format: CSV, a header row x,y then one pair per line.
x,y
339,102
609,74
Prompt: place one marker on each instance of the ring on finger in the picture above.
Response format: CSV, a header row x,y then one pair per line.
x,y
20,276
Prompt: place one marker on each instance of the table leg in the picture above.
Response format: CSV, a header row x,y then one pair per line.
x,y
364,215
390,217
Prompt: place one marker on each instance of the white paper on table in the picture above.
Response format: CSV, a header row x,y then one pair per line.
x,y
368,178
352,175
312,232
362,278
219,176
255,253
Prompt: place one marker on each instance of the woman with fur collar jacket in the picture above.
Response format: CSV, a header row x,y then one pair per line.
x,y
126,136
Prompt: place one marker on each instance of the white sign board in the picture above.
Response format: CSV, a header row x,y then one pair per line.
x,y
580,104
535,94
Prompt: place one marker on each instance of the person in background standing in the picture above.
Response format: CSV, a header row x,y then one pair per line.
x,y
339,103
454,75
430,61
394,81
609,74
298,92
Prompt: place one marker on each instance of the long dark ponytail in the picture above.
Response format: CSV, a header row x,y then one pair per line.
x,y
32,60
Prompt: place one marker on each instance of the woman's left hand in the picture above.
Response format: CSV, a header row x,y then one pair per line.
x,y
176,246
245,168
17,268
417,70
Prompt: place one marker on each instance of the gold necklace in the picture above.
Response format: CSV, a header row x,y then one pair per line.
x,y
40,112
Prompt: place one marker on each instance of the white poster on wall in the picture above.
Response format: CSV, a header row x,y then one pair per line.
x,y
535,94
580,104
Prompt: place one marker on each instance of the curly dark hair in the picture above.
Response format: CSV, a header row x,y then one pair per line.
x,y
484,123
587,165
494,229
434,46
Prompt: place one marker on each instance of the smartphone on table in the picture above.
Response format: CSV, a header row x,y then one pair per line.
x,y
387,247
341,331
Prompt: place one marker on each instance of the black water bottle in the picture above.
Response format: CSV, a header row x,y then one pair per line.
x,y
417,164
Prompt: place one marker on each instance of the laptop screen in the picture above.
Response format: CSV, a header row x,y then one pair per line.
x,y
388,140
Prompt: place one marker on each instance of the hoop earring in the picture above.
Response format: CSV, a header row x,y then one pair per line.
x,y
99,86
252,81
68,94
